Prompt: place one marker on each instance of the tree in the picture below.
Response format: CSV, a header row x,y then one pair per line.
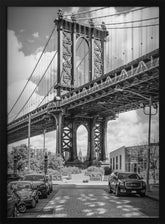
x,y
154,158
55,161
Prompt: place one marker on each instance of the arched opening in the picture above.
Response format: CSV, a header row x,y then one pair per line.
x,y
82,62
82,143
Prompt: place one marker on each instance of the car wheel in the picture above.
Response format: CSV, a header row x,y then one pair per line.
x,y
33,205
22,208
117,192
142,194
15,212
45,195
37,198
110,189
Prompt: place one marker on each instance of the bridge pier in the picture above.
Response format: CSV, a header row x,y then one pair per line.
x,y
58,133
97,131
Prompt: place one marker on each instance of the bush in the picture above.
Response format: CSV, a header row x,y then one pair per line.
x,y
56,175
107,170
95,169
70,170
95,176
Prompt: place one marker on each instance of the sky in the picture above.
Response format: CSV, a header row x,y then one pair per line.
x,y
28,30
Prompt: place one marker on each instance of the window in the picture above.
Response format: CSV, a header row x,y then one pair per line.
x,y
116,162
113,163
120,162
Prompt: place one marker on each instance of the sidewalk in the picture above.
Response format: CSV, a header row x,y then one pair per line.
x,y
154,193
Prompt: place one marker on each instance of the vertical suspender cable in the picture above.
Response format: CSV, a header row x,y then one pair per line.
x,y
141,40
132,49
146,40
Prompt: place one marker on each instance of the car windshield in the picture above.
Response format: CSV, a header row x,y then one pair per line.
x,y
34,177
21,186
128,176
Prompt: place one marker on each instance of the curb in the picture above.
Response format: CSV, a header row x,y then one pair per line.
x,y
152,197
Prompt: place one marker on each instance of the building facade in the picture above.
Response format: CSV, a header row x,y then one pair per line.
x,y
134,159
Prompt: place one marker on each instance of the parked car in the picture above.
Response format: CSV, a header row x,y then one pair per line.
x,y
126,182
49,181
12,201
39,182
27,193
13,177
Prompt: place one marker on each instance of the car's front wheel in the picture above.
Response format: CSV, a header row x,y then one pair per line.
x,y
117,191
37,198
142,194
33,205
110,189
15,212
45,195
22,208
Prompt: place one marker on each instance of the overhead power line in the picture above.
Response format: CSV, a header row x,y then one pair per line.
x,y
32,71
116,14
36,86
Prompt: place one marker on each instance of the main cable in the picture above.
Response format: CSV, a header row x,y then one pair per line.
x,y
32,71
130,21
132,27
116,14
93,10
36,86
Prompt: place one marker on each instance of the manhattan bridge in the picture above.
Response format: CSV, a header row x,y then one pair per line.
x,y
94,66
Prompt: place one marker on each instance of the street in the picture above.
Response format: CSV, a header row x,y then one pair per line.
x,y
70,200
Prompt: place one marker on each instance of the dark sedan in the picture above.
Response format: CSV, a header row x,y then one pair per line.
x,y
13,177
39,182
26,191
126,182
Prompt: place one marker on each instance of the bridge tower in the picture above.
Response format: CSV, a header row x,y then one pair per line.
x,y
68,34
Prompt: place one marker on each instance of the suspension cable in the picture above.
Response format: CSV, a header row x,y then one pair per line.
x,y
116,14
36,86
82,60
47,94
131,21
32,71
132,26
86,11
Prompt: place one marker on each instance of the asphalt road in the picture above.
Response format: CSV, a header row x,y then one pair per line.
x,y
76,201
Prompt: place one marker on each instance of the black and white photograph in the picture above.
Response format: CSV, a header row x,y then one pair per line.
x,y
82,112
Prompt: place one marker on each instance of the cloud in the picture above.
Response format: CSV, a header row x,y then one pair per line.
x,y
22,30
30,41
20,68
35,35
74,10
130,130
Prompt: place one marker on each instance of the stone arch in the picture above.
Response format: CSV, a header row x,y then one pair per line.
x,y
82,141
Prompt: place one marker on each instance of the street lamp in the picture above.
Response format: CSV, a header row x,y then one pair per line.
x,y
56,118
149,128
